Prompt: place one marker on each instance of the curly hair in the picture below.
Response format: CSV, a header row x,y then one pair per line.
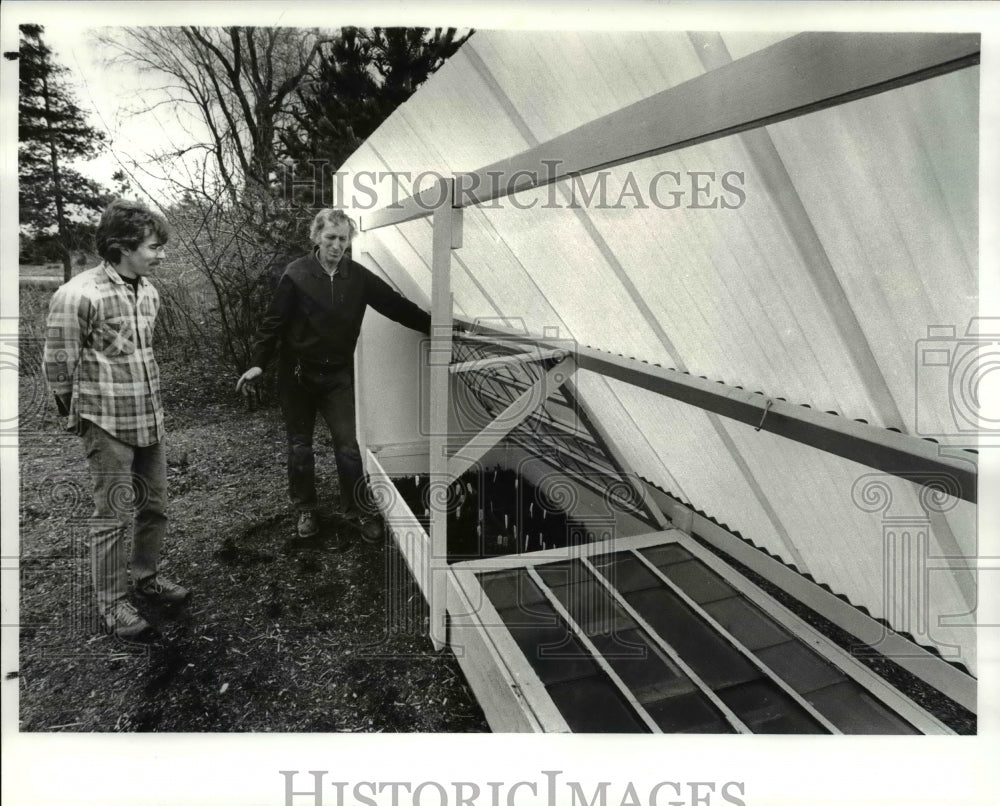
x,y
124,225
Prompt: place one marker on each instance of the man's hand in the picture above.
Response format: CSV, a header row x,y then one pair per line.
x,y
248,377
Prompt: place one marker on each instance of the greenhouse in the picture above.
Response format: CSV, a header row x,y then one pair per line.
x,y
704,363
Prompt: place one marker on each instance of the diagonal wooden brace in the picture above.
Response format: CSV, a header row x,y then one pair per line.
x,y
511,417
496,361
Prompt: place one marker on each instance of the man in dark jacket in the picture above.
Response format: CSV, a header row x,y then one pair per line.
x,y
315,316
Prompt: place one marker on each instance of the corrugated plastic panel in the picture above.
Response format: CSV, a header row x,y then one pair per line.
x,y
858,231
725,287
891,185
558,81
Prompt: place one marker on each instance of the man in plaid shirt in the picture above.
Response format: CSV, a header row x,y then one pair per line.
x,y
100,365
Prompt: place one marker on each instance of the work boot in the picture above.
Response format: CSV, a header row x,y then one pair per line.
x,y
308,524
160,589
123,620
371,527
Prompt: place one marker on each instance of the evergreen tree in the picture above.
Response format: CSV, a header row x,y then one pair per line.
x,y
52,133
361,78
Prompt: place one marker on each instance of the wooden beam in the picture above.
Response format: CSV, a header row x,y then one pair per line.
x,y
511,682
805,73
796,76
406,531
908,457
439,360
499,360
510,418
408,209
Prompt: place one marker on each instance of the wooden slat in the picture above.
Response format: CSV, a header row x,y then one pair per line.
x,y
408,209
409,535
500,360
468,602
595,653
510,418
857,671
655,637
737,645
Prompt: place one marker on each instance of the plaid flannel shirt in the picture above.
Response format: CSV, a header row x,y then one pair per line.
x,y
99,351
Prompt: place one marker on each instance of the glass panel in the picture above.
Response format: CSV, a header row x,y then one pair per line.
x,y
699,582
746,622
688,713
563,573
649,674
591,607
666,555
765,708
853,710
551,649
801,668
508,588
594,705
625,572
712,659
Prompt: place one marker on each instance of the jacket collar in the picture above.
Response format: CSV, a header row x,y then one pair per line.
x,y
113,275
343,268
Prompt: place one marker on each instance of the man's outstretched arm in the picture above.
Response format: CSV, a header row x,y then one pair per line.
x,y
270,331
380,295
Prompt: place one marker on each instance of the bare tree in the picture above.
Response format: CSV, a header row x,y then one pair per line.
x,y
235,85
253,99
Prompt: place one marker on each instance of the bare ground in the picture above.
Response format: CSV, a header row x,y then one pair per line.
x,y
281,634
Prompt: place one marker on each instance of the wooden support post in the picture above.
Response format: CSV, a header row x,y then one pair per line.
x,y
519,410
447,233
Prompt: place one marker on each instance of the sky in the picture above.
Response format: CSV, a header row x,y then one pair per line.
x,y
108,95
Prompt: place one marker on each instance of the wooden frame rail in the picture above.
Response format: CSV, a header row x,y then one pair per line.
x,y
805,73
912,458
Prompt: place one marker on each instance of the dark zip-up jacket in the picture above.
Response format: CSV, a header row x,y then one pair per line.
x,y
317,318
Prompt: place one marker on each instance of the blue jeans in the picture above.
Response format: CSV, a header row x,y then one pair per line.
x,y
130,499
330,393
